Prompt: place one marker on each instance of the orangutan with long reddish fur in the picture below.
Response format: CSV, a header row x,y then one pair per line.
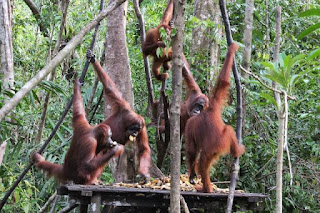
x,y
90,150
125,124
207,136
153,41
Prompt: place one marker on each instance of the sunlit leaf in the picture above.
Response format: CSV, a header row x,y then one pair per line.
x,y
268,64
269,98
308,31
313,54
311,12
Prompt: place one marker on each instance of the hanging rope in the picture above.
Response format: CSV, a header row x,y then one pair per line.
x,y
235,169
64,114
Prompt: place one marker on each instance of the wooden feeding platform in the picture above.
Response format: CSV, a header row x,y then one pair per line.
x,y
124,199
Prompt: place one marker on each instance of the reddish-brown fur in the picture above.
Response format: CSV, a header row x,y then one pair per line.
x,y
153,41
194,98
124,121
207,136
88,153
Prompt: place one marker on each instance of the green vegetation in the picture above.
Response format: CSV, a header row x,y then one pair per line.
x,y
298,72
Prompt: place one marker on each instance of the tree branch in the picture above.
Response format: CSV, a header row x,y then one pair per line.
x,y
49,201
36,13
265,85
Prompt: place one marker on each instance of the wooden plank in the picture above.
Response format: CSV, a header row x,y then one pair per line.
x,y
101,188
140,198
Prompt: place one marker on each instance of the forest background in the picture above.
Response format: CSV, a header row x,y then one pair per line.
x,y
260,132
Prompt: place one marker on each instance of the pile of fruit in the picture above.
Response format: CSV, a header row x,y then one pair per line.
x,y
164,184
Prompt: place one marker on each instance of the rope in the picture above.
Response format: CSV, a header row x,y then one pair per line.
x,y
236,167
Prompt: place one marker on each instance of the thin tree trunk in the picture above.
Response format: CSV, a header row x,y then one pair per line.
x,y
75,41
215,44
2,150
6,48
175,164
267,28
52,75
247,41
281,116
247,36
286,144
118,68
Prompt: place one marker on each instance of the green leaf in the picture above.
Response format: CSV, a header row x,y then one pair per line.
x,y
58,132
292,62
268,64
174,32
308,31
283,59
35,96
295,78
313,54
296,59
52,87
67,129
269,98
311,12
159,52
32,98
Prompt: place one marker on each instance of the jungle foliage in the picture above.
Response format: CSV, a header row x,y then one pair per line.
x,y
298,71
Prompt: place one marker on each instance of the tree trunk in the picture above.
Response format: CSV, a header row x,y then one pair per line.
x,y
267,52
247,36
247,41
202,43
6,47
177,47
281,116
118,68
2,151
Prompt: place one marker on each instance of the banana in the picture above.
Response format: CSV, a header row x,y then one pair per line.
x,y
131,138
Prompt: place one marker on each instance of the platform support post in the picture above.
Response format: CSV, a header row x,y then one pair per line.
x,y
83,208
96,203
